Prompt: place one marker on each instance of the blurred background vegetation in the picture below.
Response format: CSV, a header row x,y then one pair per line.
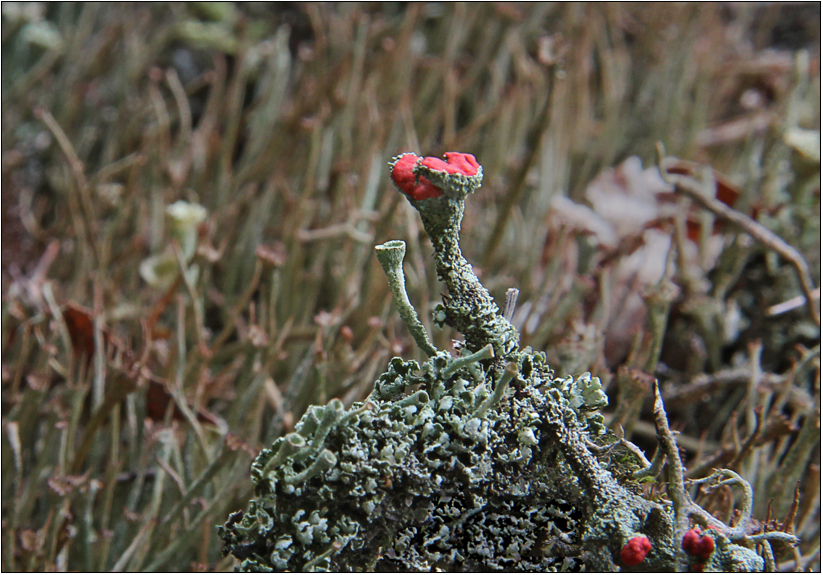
x,y
149,351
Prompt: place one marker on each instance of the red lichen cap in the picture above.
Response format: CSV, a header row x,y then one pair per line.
x,y
456,163
415,186
466,162
635,550
697,545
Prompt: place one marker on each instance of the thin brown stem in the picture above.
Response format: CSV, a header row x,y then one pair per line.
x,y
76,166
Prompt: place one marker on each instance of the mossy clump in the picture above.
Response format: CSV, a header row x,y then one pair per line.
x,y
426,474
485,461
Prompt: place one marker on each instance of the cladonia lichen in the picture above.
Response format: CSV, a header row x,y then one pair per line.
x,y
485,461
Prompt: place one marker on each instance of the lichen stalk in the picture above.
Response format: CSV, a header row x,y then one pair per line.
x,y
390,255
676,489
326,460
291,444
499,390
459,363
468,308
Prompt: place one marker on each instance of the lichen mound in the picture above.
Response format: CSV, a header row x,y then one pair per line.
x,y
481,462
424,476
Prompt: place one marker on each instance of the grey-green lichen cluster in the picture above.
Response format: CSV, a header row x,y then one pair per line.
x,y
439,468
485,461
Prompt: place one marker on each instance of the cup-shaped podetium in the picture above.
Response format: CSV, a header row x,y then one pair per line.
x,y
390,255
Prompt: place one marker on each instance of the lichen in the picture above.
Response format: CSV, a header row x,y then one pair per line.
x,y
485,461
